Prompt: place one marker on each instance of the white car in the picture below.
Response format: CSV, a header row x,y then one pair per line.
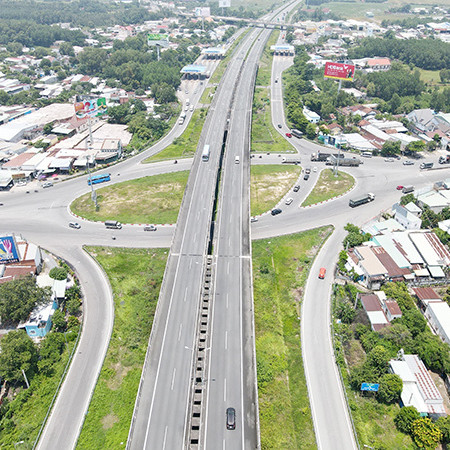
x,y
253,219
47,185
289,201
75,225
389,159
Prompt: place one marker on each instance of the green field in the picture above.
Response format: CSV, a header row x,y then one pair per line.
x,y
265,63
328,186
280,269
135,276
269,184
154,199
186,145
265,138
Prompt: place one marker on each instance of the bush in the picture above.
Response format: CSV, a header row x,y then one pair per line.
x,y
425,433
58,273
405,418
59,320
391,387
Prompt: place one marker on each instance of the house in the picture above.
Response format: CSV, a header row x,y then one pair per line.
x,y
40,321
423,119
438,316
379,64
311,116
374,272
372,306
408,215
426,295
419,389
389,306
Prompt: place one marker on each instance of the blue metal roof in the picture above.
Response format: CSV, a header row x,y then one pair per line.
x,y
192,68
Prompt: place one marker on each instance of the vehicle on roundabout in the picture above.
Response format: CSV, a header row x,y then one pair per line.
x,y
276,211
150,228
408,162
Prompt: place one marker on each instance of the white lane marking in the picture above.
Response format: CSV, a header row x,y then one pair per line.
x,y
229,241
226,340
190,264
223,444
227,301
179,331
173,379
185,294
165,438
228,268
224,389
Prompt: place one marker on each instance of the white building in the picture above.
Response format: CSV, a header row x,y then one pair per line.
x,y
438,315
311,116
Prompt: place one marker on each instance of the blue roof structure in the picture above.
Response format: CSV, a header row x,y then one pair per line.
x,y
213,51
192,68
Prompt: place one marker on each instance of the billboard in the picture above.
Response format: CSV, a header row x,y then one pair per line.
x,y
8,250
224,3
90,108
372,387
154,39
203,12
339,71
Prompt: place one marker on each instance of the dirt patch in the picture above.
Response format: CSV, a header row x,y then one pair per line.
x,y
120,373
108,421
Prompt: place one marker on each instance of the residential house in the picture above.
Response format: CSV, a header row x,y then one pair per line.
x,y
438,316
311,116
389,306
372,306
40,321
379,64
426,295
408,215
373,271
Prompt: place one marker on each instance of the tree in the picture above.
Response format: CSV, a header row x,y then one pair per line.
x,y
415,147
391,386
425,433
377,360
443,423
19,297
434,353
395,103
310,131
405,418
408,198
345,312
59,320
390,148
58,273
73,305
18,353
399,292
414,320
50,352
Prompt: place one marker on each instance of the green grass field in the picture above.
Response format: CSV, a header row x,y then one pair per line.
x,y
265,63
280,269
268,185
328,186
265,138
154,199
135,276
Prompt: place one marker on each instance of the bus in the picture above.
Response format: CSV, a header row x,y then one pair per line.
x,y
94,179
205,153
296,133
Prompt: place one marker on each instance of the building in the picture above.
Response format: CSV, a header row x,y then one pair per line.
x,y
426,295
379,64
438,315
373,271
372,306
40,320
408,215
419,389
311,116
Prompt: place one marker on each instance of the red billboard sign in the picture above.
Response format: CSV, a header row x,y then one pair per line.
x,y
339,71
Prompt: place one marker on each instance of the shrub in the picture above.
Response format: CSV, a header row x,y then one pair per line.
x,y
405,418
58,273
425,433
391,387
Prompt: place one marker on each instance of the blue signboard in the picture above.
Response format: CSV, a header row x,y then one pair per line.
x,y
370,387
8,250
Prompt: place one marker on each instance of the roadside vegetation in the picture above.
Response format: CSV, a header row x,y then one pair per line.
x,y
23,409
154,199
363,356
265,138
268,185
329,186
280,270
135,276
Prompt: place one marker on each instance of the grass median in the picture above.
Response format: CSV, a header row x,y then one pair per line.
x,y
154,199
269,184
135,276
280,270
329,186
265,63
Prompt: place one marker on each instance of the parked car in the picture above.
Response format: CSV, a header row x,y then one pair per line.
x,y
296,188
75,225
322,273
275,211
47,184
408,163
389,159
231,418
150,228
289,135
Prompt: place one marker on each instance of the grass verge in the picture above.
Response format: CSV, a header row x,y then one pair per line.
x,y
135,276
186,145
264,136
265,63
268,184
22,416
280,269
328,186
154,199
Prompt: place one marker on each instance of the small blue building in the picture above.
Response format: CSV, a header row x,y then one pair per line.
x,y
40,320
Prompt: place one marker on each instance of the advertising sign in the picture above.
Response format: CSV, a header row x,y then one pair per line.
x,y
339,71
90,108
370,387
157,39
203,12
224,3
8,250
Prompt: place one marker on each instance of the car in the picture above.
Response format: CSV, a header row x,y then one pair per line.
x,y
276,80
296,188
280,126
275,211
253,219
75,225
47,185
399,187
322,273
289,135
289,201
21,183
306,177
150,228
1,204
308,170
315,169
408,163
231,418
389,159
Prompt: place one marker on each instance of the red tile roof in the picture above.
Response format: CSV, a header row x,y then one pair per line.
x,y
426,293
370,302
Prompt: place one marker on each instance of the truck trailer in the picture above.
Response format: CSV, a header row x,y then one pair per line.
x,y
324,156
349,162
426,165
361,200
